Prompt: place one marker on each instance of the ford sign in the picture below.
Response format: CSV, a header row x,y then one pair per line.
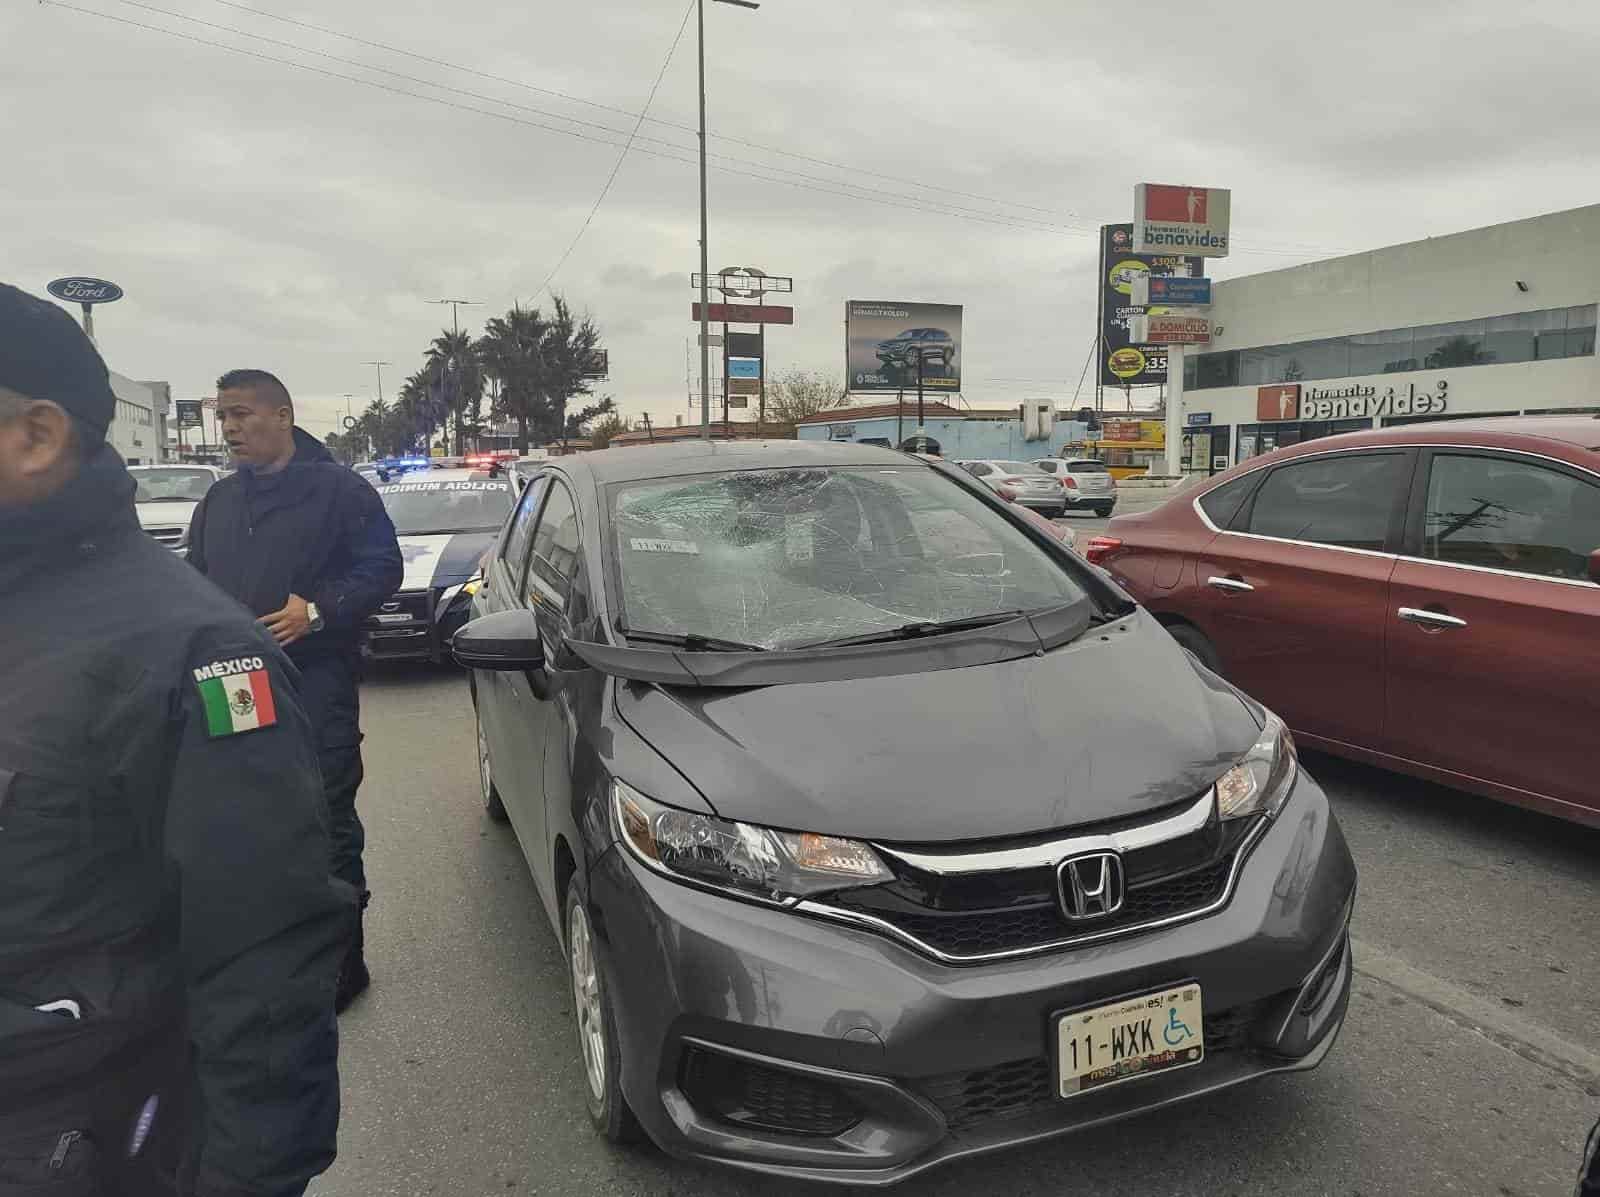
x,y
84,290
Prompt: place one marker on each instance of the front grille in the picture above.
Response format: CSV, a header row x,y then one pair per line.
x,y
977,914
171,537
764,1098
413,603
1022,1086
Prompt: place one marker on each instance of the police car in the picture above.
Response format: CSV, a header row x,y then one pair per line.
x,y
445,521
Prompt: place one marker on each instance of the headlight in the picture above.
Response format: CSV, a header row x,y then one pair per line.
x,y
470,586
1261,781
754,862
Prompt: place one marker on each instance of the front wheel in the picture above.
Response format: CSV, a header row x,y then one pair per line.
x,y
597,1029
492,805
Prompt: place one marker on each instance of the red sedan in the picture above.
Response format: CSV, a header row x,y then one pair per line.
x,y
1425,598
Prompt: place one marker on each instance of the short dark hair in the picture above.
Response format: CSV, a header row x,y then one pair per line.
x,y
256,380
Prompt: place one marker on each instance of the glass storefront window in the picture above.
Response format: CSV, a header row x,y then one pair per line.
x,y
1216,369
1580,330
1385,352
1524,337
1310,360
1441,346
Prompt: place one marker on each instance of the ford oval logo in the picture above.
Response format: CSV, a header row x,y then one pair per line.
x,y
84,290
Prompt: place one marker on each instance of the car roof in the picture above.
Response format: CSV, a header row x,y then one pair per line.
x,y
462,475
1533,433
633,463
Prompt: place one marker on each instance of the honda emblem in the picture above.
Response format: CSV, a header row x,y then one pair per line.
x,y
1092,886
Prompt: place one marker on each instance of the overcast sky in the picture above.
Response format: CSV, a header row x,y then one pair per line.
x,y
263,215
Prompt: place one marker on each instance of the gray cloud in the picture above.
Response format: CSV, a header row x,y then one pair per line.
x,y
259,213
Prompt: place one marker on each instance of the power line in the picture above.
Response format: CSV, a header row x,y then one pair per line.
x,y
755,145
612,177
400,91
942,206
811,182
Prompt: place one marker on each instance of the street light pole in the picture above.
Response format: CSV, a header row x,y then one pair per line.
x,y
455,330
705,251
380,366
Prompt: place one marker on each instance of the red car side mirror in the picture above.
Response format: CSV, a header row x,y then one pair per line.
x,y
1594,567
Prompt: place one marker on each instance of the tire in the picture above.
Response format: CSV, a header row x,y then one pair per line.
x,y
596,1027
1104,511
492,805
1194,641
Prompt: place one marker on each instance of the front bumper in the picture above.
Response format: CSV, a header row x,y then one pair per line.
x,y
784,1044
425,634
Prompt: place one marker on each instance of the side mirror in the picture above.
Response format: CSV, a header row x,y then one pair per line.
x,y
506,640
1594,567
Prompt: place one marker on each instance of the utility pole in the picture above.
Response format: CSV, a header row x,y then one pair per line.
x,y
455,329
705,249
380,366
922,427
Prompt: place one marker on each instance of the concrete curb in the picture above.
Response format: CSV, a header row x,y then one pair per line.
x,y
1530,1040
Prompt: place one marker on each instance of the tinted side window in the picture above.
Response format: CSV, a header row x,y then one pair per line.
x,y
1346,500
1505,513
520,527
1223,503
555,552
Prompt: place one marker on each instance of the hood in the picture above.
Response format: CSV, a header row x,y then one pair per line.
x,y
308,447
1115,724
169,513
442,559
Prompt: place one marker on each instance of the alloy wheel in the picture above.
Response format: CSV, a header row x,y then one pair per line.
x,y
588,1006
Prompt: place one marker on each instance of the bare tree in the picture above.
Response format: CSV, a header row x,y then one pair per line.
x,y
796,394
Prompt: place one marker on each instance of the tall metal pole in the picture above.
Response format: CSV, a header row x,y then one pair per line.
x,y
705,253
922,427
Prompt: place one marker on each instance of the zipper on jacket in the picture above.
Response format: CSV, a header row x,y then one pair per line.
x,y
63,1146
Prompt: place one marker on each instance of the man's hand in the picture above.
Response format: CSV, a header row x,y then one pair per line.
x,y
290,624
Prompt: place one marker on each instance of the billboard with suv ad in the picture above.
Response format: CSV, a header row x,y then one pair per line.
x,y
883,341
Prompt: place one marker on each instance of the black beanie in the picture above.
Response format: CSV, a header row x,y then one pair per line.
x,y
45,355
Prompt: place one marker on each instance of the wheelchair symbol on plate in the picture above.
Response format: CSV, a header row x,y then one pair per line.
x,y
1176,1030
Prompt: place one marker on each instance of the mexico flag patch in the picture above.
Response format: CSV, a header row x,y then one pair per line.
x,y
237,695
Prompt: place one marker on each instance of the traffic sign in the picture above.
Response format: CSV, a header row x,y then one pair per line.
x,y
1153,289
744,313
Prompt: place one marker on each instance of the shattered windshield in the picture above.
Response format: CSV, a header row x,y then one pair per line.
x,y
784,558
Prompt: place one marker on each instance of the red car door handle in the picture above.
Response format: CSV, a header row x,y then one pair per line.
x,y
1430,619
1231,584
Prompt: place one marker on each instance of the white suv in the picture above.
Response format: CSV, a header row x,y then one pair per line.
x,y
1085,482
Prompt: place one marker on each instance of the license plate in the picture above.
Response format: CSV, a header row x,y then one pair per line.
x,y
399,617
1132,1038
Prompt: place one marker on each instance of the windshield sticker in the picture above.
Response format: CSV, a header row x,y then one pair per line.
x,y
401,488
641,544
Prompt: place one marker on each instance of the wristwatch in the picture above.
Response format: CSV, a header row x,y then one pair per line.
x,y
315,616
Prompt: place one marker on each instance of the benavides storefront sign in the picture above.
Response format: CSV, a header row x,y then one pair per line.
x,y
1355,401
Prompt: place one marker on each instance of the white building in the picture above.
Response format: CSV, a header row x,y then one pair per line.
x,y
139,427
1494,321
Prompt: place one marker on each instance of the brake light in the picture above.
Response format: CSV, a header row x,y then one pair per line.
x,y
1007,493
1069,482
1101,549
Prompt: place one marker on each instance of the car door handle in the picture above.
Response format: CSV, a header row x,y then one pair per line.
x,y
1430,619
1233,585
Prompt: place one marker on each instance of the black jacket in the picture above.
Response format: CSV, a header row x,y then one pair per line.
x,y
157,865
315,529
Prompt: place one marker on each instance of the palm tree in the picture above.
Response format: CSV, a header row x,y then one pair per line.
x,y
512,350
453,361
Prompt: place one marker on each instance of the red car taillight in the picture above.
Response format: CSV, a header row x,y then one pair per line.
x,y
1101,549
1069,482
1007,493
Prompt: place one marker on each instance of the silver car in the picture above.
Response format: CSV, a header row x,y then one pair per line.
x,y
1085,482
166,496
1021,483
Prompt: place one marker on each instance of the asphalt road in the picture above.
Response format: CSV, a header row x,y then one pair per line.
x,y
1468,1064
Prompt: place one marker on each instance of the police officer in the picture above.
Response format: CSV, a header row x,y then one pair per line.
x,y
170,938
307,546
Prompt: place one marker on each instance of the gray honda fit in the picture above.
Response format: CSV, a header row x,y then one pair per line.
x,y
878,828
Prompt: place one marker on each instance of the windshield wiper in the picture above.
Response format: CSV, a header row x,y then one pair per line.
x,y
914,631
693,643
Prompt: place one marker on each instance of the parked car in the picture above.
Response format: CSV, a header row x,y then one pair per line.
x,y
879,829
1021,483
445,521
1423,598
937,346
1085,482
165,497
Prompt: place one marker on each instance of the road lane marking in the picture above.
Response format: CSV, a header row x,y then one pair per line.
x,y
1528,1039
